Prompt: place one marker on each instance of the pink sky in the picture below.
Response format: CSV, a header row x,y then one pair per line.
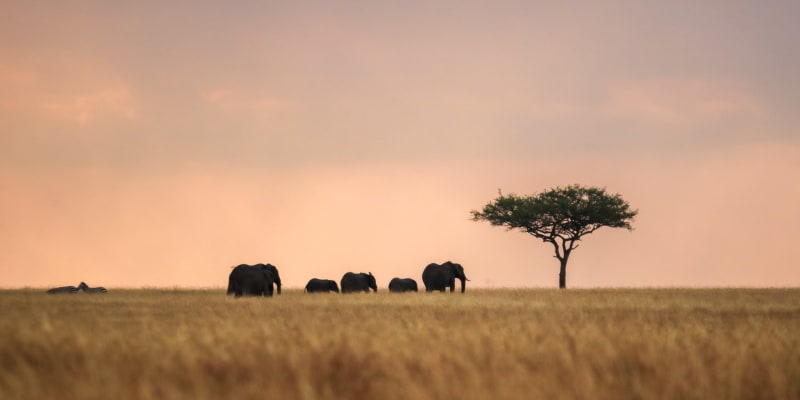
x,y
158,145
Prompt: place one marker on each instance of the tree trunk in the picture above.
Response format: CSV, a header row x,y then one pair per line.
x,y
562,275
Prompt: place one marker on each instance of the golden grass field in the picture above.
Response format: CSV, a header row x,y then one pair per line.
x,y
484,344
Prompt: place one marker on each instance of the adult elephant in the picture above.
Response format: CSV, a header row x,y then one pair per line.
x,y
321,286
438,277
400,285
352,282
253,280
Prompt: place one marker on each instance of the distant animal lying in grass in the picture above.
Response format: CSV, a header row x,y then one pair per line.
x,y
63,289
75,289
83,286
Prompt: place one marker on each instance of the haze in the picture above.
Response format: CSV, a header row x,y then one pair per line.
x,y
158,144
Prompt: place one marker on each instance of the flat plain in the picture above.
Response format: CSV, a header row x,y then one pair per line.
x,y
483,344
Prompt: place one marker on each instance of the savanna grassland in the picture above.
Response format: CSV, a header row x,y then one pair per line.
x,y
484,344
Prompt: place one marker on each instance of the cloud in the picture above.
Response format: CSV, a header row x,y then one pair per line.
x,y
680,101
84,107
70,89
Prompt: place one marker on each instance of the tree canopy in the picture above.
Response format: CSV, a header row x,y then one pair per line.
x,y
560,216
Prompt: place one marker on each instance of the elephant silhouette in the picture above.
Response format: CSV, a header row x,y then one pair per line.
x,y
439,277
400,285
254,280
315,285
358,282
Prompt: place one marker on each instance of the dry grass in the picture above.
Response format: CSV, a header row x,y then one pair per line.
x,y
514,344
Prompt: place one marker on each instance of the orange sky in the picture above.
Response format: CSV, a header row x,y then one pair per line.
x,y
158,145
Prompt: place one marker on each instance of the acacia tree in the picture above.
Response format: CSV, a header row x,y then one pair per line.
x,y
560,216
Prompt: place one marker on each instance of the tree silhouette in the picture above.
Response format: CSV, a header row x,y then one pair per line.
x,y
560,216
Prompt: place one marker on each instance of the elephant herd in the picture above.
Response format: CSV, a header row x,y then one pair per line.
x,y
263,280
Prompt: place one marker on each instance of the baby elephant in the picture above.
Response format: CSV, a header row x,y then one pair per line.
x,y
321,286
398,285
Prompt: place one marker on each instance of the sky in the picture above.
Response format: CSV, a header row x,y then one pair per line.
x,y
159,143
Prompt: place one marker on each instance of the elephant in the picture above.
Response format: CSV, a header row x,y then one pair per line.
x,y
253,280
63,289
400,285
83,286
438,277
321,286
352,282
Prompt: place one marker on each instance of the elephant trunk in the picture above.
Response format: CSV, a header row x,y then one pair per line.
x,y
463,284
